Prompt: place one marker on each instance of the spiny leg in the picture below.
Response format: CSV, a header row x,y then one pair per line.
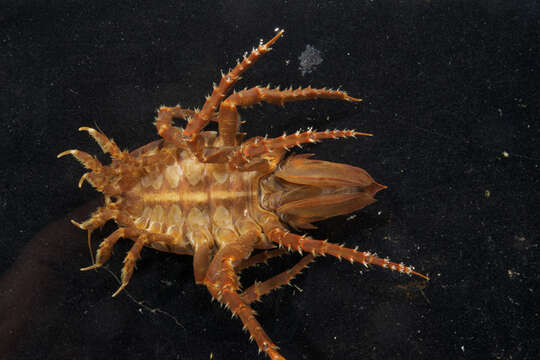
x,y
96,177
165,128
202,118
144,238
318,247
258,146
100,217
258,289
104,214
260,257
105,248
87,160
130,260
185,114
173,134
106,144
228,118
222,283
188,114
97,219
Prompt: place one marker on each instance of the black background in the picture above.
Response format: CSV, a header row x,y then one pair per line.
x,y
448,88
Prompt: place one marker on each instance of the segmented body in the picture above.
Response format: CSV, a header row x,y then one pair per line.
x,y
193,202
219,198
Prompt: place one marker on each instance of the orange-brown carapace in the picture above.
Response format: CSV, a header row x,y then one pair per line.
x,y
219,198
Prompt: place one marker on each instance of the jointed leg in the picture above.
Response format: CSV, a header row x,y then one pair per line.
x,y
173,134
96,177
106,144
165,128
145,238
260,257
97,219
201,118
259,146
318,247
202,255
105,248
87,160
257,290
104,214
222,283
228,116
184,114
141,238
109,146
130,260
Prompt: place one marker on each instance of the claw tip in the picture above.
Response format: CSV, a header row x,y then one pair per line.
x,y
119,290
91,267
64,153
79,225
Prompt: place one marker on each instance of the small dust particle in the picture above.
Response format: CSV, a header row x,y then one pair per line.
x,y
166,282
512,274
505,154
487,193
309,59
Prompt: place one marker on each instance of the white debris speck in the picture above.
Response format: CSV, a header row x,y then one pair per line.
x,y
309,60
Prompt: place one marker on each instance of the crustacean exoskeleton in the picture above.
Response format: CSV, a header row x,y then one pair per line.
x,y
217,197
